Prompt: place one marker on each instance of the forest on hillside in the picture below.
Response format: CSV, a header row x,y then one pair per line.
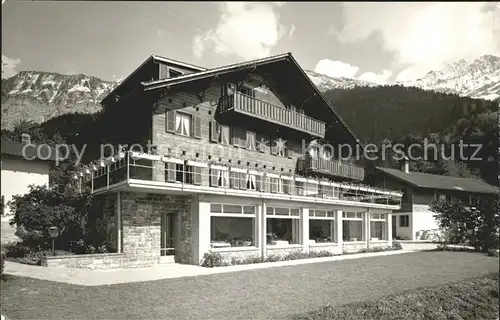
x,y
379,115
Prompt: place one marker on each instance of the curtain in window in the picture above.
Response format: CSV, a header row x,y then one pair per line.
x,y
186,126
224,134
251,141
178,120
251,181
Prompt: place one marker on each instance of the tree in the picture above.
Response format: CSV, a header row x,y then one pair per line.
x,y
477,226
41,208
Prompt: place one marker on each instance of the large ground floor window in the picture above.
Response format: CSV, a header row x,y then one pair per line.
x,y
232,226
282,231
377,226
321,226
352,226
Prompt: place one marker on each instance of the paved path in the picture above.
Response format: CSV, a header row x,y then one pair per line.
x,y
272,293
88,277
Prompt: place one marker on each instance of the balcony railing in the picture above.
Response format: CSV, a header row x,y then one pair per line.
x,y
331,167
241,103
191,176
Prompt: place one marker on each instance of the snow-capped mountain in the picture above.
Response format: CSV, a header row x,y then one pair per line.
x,y
479,78
325,83
39,96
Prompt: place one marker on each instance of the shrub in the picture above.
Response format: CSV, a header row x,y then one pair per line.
x,y
475,226
320,254
213,259
273,258
16,250
396,245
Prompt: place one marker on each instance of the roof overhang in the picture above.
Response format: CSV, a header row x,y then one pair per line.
x,y
283,64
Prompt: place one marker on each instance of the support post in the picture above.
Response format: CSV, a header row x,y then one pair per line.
x,y
388,223
263,239
304,229
339,229
367,227
119,222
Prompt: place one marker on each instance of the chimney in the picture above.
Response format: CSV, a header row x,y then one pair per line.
x,y
25,138
405,165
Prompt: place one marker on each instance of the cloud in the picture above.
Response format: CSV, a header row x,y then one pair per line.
x,y
335,69
9,66
425,36
248,30
339,69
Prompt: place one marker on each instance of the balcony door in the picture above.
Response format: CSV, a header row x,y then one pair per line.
x,y
168,236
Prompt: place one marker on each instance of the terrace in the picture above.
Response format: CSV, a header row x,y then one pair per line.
x,y
142,170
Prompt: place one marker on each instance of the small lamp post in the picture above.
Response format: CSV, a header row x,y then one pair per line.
x,y
53,233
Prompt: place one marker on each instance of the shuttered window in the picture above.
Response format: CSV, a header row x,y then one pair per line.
x,y
183,124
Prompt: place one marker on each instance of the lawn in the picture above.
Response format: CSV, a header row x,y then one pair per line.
x,y
475,298
274,293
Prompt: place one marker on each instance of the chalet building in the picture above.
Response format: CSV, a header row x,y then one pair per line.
x,y
414,220
228,168
23,164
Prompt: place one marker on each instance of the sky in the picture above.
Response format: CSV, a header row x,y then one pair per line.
x,y
381,42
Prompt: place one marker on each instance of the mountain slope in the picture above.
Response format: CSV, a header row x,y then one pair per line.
x,y
39,96
479,79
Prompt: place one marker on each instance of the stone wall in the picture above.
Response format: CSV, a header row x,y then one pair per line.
x,y
141,218
87,261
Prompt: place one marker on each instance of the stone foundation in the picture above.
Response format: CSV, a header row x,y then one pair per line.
x,y
88,261
333,248
282,250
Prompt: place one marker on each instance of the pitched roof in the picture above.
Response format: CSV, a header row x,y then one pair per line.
x,y
435,181
13,148
156,84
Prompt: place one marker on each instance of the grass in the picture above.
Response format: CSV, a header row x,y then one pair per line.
x,y
272,293
469,299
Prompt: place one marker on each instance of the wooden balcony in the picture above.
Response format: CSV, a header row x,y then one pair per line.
x,y
331,167
243,104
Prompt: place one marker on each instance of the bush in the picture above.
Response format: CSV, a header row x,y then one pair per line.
x,y
474,226
16,250
213,259
396,245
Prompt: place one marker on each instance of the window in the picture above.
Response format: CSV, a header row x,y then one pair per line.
x,y
232,225
327,152
404,221
377,226
279,147
251,140
321,226
473,201
219,133
352,226
183,124
3,205
219,178
283,226
252,182
313,152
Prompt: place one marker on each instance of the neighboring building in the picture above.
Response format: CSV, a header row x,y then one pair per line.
x,y
19,171
419,190
229,172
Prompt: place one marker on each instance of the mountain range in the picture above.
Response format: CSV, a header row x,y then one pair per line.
x,y
38,96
